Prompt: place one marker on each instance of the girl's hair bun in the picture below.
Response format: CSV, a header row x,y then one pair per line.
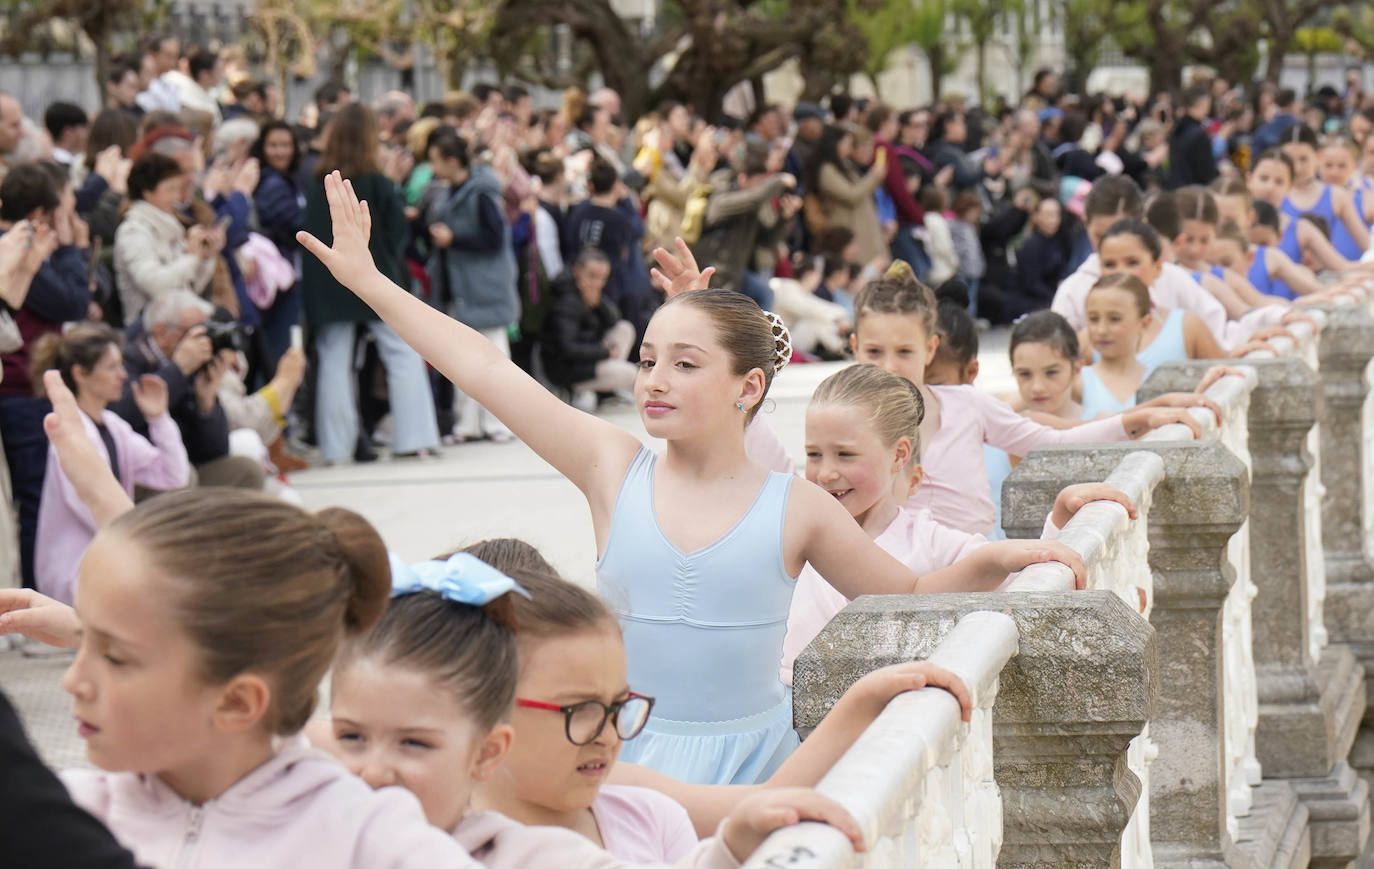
x,y
369,571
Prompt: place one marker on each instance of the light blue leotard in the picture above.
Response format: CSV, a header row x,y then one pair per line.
x,y
1168,345
703,634
1098,399
998,465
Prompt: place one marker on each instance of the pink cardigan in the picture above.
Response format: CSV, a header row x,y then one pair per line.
x,y
955,489
301,808
914,538
500,843
65,526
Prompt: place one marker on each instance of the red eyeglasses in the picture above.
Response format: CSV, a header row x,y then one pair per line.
x,y
583,722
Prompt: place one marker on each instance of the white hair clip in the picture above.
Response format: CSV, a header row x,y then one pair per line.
x,y
782,341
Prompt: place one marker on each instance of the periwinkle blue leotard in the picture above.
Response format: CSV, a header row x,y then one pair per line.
x,y
1341,239
1258,275
703,635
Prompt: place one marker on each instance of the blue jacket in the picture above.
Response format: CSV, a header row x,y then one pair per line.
x,y
280,202
1267,136
476,272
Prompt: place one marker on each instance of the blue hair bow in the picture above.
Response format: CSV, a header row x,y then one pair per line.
x,y
463,578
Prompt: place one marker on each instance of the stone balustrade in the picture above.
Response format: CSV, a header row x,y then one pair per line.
x,y
919,782
1204,702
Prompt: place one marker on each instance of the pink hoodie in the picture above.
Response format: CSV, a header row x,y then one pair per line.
x,y
500,843
299,809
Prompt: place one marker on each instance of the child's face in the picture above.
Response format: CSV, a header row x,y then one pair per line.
x,y
1044,377
544,768
1127,253
1234,208
1263,235
846,458
686,384
394,726
1270,180
1304,159
1227,253
1047,217
896,343
137,694
1336,165
948,372
1114,322
1191,247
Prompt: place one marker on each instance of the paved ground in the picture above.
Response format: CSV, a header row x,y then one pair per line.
x,y
422,508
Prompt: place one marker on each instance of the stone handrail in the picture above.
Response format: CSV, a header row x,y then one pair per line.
x,y
919,783
1256,719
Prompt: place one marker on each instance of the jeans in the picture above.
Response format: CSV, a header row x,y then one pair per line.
x,y
905,247
277,320
757,289
26,451
336,405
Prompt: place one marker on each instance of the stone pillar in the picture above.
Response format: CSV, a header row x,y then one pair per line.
x,y
1064,716
1309,709
1345,351
1200,504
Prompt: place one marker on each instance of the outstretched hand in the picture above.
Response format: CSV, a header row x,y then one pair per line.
x,y
875,690
678,274
348,257
26,612
1009,556
84,466
1140,421
1073,498
764,811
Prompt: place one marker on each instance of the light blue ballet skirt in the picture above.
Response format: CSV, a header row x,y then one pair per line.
x,y
1098,399
703,635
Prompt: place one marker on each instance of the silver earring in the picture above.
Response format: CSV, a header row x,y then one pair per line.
x,y
740,405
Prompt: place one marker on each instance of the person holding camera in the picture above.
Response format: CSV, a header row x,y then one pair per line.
x,y
154,253
741,217
175,341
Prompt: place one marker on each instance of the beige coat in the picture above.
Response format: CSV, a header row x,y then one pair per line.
x,y
667,196
849,203
150,258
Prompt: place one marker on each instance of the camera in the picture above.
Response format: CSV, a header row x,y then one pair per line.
x,y
227,336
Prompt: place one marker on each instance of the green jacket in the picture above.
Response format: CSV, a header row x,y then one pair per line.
x,y
328,301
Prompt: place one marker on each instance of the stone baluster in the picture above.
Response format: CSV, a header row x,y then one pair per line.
x,y
1199,506
1309,706
1068,705
1347,469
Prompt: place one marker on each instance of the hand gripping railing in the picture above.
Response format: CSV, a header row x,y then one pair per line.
x,y
918,781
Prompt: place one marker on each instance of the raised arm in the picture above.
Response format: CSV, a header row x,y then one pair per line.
x,y
590,452
1343,203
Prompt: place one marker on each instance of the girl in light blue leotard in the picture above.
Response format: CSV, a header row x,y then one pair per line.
x,y
698,545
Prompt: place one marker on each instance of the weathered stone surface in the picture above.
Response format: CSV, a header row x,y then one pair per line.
x,y
1080,688
1201,503
1275,835
1338,807
1346,348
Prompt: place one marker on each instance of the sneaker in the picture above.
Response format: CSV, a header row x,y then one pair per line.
x,y
501,437
424,454
585,401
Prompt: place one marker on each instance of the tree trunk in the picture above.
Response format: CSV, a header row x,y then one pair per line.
x,y
1278,48
981,58
1166,71
935,58
102,62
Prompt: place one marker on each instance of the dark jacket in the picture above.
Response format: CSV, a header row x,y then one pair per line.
x,y
967,174
39,823
59,293
731,229
1190,154
474,277
1269,133
281,209
573,333
326,300
1040,266
618,233
206,435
